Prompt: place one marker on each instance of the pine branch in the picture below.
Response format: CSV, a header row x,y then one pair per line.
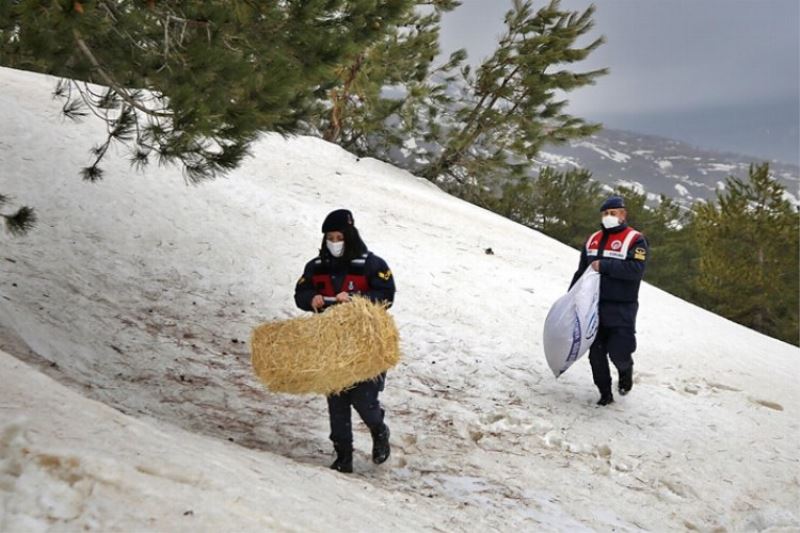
x,y
84,48
451,155
20,222
92,173
73,110
140,158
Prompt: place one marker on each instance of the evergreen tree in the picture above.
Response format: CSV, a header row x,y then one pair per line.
x,y
748,245
189,81
508,108
19,222
569,203
562,205
673,252
374,104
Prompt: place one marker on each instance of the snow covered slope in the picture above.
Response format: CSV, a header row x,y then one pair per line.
x,y
137,292
70,461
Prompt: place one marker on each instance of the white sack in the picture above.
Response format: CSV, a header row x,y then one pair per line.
x,y
571,324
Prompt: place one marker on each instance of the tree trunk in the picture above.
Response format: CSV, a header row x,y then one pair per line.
x,y
339,99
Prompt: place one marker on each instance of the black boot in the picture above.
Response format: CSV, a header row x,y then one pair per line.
x,y
344,458
380,445
625,381
605,397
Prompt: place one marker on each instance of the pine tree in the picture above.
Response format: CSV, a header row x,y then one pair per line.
x,y
569,203
673,257
189,81
508,108
375,102
748,242
562,205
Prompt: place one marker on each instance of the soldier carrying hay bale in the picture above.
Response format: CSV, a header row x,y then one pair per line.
x,y
351,346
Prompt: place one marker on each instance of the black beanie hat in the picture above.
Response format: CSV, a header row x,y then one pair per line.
x,y
338,220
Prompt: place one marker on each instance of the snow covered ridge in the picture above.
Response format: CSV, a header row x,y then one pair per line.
x,y
137,292
658,165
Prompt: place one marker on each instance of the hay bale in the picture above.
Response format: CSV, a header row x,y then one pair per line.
x,y
326,353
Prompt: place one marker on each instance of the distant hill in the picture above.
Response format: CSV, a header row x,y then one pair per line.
x,y
651,164
657,165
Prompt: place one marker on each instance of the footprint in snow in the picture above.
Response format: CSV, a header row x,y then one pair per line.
x,y
768,404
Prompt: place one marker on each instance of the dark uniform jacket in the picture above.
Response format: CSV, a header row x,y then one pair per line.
x,y
367,275
622,267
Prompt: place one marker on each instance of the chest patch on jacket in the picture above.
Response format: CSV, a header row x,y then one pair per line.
x,y
616,246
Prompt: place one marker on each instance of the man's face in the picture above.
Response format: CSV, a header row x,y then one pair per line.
x,y
620,213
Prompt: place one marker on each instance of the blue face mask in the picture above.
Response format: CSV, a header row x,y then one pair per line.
x,y
335,248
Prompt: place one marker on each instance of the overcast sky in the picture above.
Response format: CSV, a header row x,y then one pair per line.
x,y
672,58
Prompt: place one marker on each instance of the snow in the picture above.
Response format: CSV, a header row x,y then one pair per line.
x,y
664,164
637,187
609,153
547,158
135,294
722,167
409,147
791,198
685,178
683,191
410,143
70,461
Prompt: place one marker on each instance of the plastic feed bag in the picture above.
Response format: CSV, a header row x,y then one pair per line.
x,y
571,324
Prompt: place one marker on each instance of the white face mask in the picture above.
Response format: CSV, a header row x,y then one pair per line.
x,y
335,248
610,221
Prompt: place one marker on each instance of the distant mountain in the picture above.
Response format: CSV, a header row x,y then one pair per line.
x,y
656,165
763,129
651,164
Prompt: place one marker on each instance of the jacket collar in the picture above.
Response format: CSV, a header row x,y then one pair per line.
x,y
617,229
